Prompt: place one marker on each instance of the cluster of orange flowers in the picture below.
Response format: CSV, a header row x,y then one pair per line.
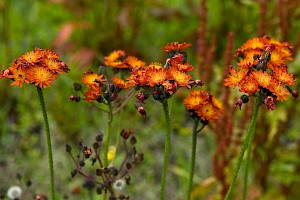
x,y
203,105
170,76
160,81
39,67
262,67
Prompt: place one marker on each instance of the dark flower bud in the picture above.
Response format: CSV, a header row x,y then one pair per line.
x,y
87,153
99,190
98,172
28,183
99,137
74,172
114,171
93,159
89,184
125,133
133,140
74,98
99,99
142,111
155,95
127,179
77,87
269,102
113,96
111,87
19,176
96,145
68,148
204,122
239,103
81,163
105,170
112,197
199,82
106,95
245,98
128,166
294,93
140,97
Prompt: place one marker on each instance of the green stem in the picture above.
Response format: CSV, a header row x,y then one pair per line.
x,y
247,142
166,152
48,137
249,149
108,134
193,156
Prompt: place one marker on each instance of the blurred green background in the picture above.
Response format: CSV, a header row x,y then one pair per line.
x,y
83,32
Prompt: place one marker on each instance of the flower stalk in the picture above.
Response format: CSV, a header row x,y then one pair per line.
x,y
48,138
166,151
247,144
193,156
108,134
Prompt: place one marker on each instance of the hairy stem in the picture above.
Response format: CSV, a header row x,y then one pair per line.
x,y
193,156
245,145
48,138
166,152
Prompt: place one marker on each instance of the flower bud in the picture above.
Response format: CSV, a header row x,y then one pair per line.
x,y
77,87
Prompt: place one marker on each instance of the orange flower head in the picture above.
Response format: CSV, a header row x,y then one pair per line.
x,y
175,46
134,62
31,58
235,76
155,65
18,75
280,91
122,83
93,79
249,85
116,59
283,77
156,76
195,99
181,78
93,93
263,78
54,66
206,106
40,76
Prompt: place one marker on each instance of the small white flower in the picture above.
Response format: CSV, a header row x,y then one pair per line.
x,y
14,192
119,184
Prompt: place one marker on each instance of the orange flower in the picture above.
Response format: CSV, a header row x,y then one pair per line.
x,y
195,99
54,66
279,90
235,76
283,77
206,106
175,46
181,78
156,76
276,60
93,79
123,84
263,78
249,85
115,59
134,62
40,76
31,58
18,75
93,93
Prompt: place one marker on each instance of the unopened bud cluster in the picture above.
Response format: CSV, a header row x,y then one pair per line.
x,y
106,179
